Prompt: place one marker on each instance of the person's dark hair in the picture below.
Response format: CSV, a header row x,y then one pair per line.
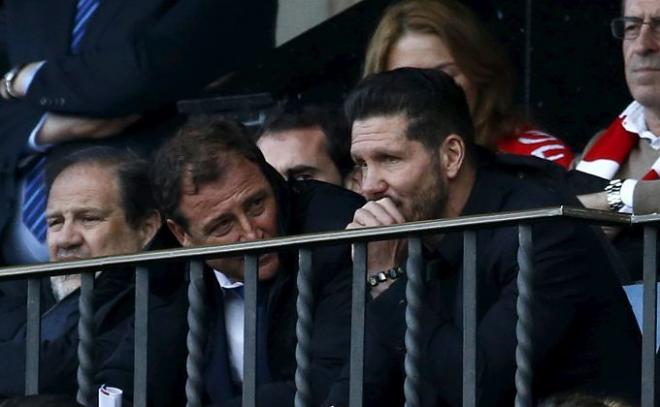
x,y
199,152
433,104
332,124
136,197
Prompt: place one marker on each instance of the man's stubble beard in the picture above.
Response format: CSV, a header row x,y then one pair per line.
x,y
432,199
65,285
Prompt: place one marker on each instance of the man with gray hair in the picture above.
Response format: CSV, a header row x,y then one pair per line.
x,y
99,204
623,161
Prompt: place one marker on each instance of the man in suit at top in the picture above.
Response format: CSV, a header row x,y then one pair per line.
x,y
412,136
214,187
86,70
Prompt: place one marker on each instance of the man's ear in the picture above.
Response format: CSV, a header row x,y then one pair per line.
x,y
452,154
149,227
180,233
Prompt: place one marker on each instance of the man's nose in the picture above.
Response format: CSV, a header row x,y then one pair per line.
x,y
646,42
67,236
373,184
249,231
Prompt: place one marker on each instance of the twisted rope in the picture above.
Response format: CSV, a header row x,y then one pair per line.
x,y
196,335
413,339
85,373
304,305
524,349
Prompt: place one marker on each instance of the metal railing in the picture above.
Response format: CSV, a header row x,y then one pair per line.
x,y
359,237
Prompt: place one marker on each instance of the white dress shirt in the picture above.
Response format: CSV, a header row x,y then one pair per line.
x,y
234,312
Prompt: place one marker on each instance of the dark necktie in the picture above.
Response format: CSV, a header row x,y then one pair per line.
x,y
263,373
217,378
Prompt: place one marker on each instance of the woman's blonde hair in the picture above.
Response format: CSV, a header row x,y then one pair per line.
x,y
475,52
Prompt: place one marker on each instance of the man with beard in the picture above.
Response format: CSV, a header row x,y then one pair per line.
x,y
412,137
99,204
214,187
624,160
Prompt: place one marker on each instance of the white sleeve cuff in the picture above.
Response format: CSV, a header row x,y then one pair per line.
x,y
627,192
33,146
30,76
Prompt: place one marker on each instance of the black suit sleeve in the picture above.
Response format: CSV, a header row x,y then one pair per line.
x,y
562,284
17,120
194,42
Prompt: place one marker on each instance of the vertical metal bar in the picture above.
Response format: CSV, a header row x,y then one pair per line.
x,y
141,336
304,325
469,318
528,56
650,316
413,339
250,331
524,325
357,323
85,374
33,336
196,335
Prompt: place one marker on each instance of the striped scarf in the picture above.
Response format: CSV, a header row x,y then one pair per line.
x,y
611,150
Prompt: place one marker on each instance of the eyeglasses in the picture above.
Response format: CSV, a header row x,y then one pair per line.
x,y
628,28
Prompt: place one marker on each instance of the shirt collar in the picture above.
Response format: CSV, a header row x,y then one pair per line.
x,y
226,282
635,122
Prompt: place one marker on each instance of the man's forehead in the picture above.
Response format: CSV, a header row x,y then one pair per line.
x,y
197,175
641,8
294,146
85,186
238,176
377,127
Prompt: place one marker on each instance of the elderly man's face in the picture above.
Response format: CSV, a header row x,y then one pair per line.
x,y
239,207
85,216
300,154
642,55
398,168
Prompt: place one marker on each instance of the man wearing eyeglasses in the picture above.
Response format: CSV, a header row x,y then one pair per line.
x,y
625,158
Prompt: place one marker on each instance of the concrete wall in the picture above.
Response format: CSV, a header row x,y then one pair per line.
x,y
297,16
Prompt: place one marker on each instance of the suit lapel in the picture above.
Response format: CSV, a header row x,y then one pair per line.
x,y
104,15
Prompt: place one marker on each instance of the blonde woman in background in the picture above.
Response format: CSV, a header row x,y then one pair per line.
x,y
446,35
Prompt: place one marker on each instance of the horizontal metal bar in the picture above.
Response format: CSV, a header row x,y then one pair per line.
x,y
597,216
316,239
640,219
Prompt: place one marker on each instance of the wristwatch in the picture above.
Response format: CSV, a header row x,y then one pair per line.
x,y
613,190
8,81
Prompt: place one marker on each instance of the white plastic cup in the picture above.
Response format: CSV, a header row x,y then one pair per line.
x,y
109,396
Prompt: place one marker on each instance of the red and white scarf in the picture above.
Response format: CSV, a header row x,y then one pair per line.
x,y
611,150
